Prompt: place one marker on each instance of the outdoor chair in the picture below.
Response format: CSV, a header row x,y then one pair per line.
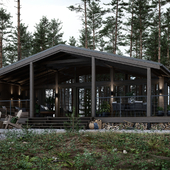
x,y
13,121
138,108
116,108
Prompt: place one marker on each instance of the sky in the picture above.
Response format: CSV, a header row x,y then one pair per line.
x,y
33,10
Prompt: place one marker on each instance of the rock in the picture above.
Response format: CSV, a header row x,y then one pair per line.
x,y
55,159
114,150
124,151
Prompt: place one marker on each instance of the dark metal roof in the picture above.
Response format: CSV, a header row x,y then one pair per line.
x,y
86,53
57,54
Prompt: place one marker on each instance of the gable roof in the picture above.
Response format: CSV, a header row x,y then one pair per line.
x,y
113,60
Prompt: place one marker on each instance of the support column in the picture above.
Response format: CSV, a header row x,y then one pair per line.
x,y
57,96
31,89
93,89
165,98
75,105
148,92
161,92
111,87
19,98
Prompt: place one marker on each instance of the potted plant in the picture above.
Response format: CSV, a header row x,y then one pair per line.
x,y
160,111
168,110
105,108
98,113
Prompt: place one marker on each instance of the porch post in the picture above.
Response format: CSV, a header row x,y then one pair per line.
x,y
31,89
148,92
75,105
111,88
161,92
165,98
57,96
93,89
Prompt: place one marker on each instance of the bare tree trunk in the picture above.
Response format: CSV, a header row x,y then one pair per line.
x,y
136,48
113,41
131,33
116,28
140,43
19,41
0,52
140,35
159,36
85,11
168,46
93,34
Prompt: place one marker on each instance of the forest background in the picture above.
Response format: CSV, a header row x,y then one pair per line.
x,y
139,29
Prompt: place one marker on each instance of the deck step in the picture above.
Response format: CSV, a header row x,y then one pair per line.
x,y
57,123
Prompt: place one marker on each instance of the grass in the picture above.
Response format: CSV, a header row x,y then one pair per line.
x,y
84,150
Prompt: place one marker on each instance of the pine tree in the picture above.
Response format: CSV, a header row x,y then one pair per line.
x,y
6,28
102,44
129,37
40,41
82,38
151,50
12,46
117,7
166,26
159,3
72,41
55,36
19,31
94,16
47,34
108,32
83,10
143,15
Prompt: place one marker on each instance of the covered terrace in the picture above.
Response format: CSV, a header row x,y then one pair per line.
x,y
85,79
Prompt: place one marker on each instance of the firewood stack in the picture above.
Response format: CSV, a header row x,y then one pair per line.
x,y
158,126
167,126
128,124
141,126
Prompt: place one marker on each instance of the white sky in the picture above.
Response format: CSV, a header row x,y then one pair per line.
x,y
33,10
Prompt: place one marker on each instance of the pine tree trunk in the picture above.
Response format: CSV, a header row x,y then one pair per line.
x,y
19,41
131,33
140,36
0,52
116,28
140,43
85,11
168,46
136,48
93,34
113,42
159,39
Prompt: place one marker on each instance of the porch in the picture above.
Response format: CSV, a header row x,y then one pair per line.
x,y
64,77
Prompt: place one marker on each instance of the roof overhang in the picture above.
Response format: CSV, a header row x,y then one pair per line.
x,y
84,56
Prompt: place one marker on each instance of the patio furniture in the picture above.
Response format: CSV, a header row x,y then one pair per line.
x,y
3,110
116,108
13,121
138,109
25,113
44,111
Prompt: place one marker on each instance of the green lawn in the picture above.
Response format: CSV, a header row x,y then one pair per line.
x,y
89,150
